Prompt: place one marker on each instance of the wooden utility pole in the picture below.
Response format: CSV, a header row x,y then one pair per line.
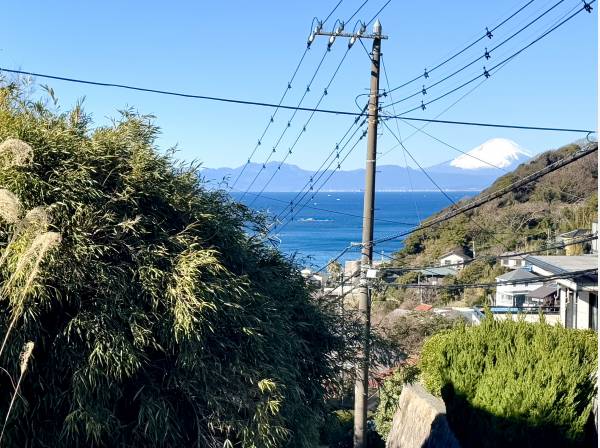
x,y
361,387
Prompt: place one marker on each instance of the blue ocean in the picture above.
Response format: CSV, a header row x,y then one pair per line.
x,y
332,221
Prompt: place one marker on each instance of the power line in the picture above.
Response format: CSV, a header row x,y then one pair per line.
x,y
289,122
566,275
486,55
441,190
282,106
477,158
272,119
378,12
337,212
332,172
567,160
444,62
462,97
488,72
304,127
581,240
387,81
336,150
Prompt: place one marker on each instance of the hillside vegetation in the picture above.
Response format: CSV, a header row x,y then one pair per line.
x,y
526,219
151,311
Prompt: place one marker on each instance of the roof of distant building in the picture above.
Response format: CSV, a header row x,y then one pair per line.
x,y
423,307
562,264
459,251
441,271
512,254
518,274
575,233
542,291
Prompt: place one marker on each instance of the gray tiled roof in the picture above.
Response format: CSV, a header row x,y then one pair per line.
x,y
518,274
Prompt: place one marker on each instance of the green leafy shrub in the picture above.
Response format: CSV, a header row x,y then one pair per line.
x,y
160,316
389,394
517,383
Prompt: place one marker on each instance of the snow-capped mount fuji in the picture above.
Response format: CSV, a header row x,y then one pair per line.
x,y
490,155
472,172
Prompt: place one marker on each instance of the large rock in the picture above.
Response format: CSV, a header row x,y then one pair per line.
x,y
420,421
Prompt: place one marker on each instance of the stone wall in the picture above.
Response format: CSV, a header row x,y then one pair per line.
x,y
420,421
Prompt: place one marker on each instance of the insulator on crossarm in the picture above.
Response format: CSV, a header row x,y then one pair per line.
x,y
426,74
485,72
487,53
423,105
488,33
424,91
587,6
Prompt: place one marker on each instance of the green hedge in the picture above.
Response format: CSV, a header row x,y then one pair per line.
x,y
512,383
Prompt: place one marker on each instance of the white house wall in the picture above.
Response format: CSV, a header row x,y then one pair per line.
x,y
583,310
562,294
451,259
513,290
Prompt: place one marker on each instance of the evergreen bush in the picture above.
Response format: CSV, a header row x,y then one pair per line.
x,y
512,383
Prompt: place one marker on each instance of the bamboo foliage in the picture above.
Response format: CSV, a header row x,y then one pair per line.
x,y
158,320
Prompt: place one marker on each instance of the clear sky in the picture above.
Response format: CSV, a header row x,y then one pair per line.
x,y
248,50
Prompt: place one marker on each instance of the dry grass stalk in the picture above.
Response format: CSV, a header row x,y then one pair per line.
x,y
14,152
27,269
24,362
34,223
10,207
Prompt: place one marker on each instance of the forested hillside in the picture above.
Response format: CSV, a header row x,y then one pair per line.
x,y
526,219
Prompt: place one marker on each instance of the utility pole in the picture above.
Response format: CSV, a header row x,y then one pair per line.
x,y
361,387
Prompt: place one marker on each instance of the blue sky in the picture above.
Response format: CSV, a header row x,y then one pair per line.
x,y
248,50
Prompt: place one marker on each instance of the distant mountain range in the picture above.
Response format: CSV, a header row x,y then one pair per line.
x,y
474,170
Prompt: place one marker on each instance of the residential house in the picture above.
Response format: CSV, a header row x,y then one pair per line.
x,y
516,294
456,258
578,296
434,276
512,260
